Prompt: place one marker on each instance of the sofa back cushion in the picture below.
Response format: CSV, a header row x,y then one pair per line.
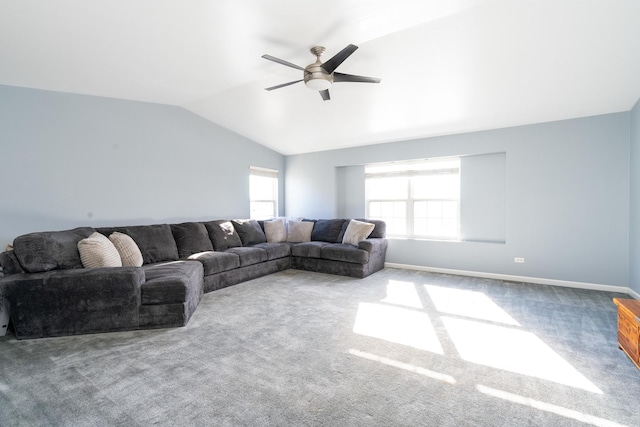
x,y
328,230
156,242
223,235
50,250
249,231
191,238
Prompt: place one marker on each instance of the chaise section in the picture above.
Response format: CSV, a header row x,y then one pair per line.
x,y
171,293
75,301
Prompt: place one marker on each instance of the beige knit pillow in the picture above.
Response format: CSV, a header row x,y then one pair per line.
x,y
357,231
299,231
275,231
97,251
128,249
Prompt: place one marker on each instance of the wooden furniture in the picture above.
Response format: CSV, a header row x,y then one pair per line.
x,y
629,328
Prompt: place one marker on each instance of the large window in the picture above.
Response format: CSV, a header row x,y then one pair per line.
x,y
417,198
263,192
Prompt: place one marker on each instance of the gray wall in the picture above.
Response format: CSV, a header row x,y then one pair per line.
x,y
634,223
70,160
567,198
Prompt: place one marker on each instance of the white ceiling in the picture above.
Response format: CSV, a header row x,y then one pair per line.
x,y
447,66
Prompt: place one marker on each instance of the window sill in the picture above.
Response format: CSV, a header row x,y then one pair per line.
x,y
426,239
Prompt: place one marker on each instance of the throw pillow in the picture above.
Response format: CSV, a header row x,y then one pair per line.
x,y
127,248
191,238
249,231
299,231
275,231
223,235
357,231
97,251
327,230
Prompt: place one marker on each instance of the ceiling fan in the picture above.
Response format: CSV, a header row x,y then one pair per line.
x,y
319,76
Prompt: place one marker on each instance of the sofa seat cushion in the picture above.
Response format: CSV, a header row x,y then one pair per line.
x,y
249,256
171,282
344,252
217,262
275,250
308,249
50,250
191,238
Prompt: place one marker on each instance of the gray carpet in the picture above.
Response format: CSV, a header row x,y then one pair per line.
x,y
298,348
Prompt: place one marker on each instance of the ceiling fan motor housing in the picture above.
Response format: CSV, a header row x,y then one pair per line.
x,y
316,78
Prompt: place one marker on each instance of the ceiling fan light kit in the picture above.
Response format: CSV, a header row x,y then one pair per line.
x,y
319,76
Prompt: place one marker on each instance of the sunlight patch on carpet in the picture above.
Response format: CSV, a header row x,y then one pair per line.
x,y
402,293
398,325
405,366
548,407
513,350
469,304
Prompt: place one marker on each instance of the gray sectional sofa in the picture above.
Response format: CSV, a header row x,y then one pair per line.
x,y
52,294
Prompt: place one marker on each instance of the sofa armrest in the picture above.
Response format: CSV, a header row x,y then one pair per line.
x,y
374,245
10,263
377,248
67,302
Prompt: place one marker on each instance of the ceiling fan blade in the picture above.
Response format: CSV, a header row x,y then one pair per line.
x,y
339,58
282,61
282,85
325,95
340,77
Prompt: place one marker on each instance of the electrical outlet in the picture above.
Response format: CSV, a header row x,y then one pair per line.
x,y
518,260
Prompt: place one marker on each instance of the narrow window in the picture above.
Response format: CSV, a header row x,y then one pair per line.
x,y
263,192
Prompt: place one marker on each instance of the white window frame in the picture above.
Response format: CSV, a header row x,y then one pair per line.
x,y
255,171
409,170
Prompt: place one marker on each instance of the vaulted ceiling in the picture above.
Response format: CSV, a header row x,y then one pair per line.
x,y
447,66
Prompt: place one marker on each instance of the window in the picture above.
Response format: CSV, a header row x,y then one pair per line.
x,y
263,192
416,198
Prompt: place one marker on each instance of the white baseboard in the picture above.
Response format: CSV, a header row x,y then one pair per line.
x,y
510,278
